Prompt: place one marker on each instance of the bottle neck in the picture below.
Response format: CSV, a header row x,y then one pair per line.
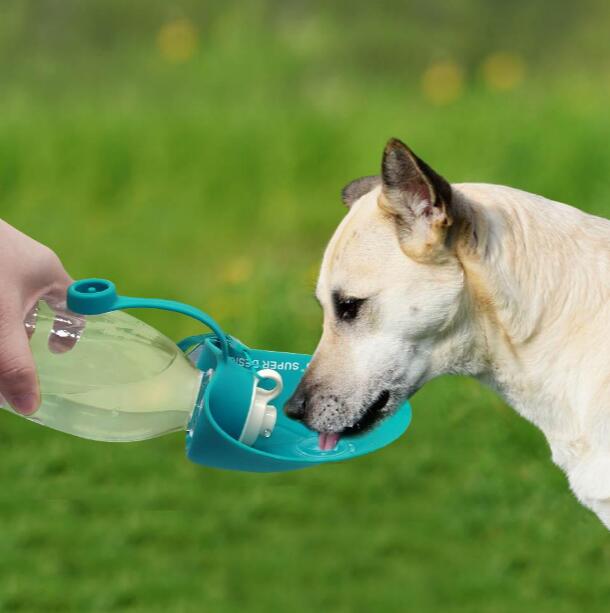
x,y
186,398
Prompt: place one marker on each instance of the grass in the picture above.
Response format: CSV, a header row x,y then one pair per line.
x,y
216,182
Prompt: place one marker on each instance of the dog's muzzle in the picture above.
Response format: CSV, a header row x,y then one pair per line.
x,y
298,408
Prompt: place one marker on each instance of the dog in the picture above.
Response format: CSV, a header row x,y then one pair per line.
x,y
424,278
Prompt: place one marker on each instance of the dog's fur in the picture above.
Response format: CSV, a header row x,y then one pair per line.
x,y
422,278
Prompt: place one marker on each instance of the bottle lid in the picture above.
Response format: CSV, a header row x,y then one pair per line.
x,y
261,417
92,296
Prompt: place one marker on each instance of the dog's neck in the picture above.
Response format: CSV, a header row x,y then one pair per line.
x,y
526,278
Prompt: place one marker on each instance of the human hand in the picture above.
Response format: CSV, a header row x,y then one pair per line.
x,y
29,272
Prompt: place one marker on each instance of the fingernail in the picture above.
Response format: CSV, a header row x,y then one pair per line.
x,y
25,404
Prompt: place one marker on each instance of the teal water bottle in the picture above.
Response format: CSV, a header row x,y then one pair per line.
x,y
124,381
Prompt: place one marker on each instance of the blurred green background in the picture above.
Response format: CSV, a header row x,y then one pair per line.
x,y
195,150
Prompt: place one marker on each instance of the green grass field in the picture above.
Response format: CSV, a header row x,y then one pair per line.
x,y
209,171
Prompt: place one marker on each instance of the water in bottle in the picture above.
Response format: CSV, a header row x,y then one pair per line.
x,y
122,381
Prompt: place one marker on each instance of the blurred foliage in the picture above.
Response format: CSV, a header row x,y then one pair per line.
x,y
376,39
195,150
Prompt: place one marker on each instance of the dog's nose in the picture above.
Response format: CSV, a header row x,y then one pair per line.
x,y
296,406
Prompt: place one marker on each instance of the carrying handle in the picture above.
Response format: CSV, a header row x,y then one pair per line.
x,y
97,296
276,390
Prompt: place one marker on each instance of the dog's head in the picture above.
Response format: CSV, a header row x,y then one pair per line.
x,y
392,291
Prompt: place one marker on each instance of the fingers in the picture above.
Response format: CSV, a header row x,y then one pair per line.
x,y
67,326
18,383
29,271
66,331
55,280
30,321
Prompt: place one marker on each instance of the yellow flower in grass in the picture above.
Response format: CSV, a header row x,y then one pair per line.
x,y
177,40
237,271
443,82
503,71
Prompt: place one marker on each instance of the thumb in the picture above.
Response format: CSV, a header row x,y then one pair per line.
x,y
18,383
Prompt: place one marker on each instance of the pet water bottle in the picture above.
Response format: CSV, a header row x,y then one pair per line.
x,y
122,381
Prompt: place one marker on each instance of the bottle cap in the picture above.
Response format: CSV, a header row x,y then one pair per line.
x,y
261,417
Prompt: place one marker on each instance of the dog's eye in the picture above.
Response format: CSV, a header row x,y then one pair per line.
x,y
347,308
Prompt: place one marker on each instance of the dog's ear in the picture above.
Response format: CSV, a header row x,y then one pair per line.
x,y
357,188
418,198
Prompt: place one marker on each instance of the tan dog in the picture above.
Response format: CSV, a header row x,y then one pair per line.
x,y
423,278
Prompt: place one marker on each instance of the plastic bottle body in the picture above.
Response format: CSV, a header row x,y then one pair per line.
x,y
122,381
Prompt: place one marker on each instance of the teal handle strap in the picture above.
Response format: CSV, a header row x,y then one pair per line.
x,y
190,341
97,296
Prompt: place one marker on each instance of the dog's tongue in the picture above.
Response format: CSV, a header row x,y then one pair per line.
x,y
327,441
